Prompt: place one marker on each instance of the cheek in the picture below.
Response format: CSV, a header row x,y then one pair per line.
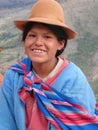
x,y
53,50
54,46
26,47
26,43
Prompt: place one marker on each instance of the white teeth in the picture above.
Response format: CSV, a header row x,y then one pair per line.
x,y
39,51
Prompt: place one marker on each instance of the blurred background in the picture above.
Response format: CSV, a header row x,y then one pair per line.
x,y
81,15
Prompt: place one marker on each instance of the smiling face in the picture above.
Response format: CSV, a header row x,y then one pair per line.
x,y
41,44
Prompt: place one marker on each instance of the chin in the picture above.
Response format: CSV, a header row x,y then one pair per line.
x,y
37,60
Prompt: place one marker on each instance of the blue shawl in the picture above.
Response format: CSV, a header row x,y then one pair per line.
x,y
61,111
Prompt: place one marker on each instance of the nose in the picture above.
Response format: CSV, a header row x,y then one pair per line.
x,y
39,41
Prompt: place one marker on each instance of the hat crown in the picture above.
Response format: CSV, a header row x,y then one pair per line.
x,y
47,12
47,9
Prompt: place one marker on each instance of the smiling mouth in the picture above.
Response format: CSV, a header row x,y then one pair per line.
x,y
38,50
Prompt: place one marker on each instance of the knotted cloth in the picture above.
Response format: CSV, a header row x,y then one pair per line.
x,y
61,111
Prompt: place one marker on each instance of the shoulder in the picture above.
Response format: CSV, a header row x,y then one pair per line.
x,y
73,80
72,72
11,80
10,74
71,68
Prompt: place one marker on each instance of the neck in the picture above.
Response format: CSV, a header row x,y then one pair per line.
x,y
42,70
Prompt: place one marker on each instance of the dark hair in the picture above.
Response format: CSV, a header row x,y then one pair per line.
x,y
57,30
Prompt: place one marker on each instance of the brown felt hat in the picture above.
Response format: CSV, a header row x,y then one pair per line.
x,y
48,12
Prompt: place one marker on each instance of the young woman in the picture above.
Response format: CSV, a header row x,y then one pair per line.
x,y
45,91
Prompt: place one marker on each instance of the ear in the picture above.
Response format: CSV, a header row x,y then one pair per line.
x,y
62,43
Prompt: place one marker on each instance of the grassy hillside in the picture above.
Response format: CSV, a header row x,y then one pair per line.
x,y
83,51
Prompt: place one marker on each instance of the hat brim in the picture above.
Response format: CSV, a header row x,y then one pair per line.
x,y
20,24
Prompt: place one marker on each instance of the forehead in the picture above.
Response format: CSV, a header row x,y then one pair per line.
x,y
40,26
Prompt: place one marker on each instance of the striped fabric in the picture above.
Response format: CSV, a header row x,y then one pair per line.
x,y
61,111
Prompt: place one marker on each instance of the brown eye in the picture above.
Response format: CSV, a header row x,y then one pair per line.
x,y
47,37
32,35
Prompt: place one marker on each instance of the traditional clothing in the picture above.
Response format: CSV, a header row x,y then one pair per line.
x,y
63,103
